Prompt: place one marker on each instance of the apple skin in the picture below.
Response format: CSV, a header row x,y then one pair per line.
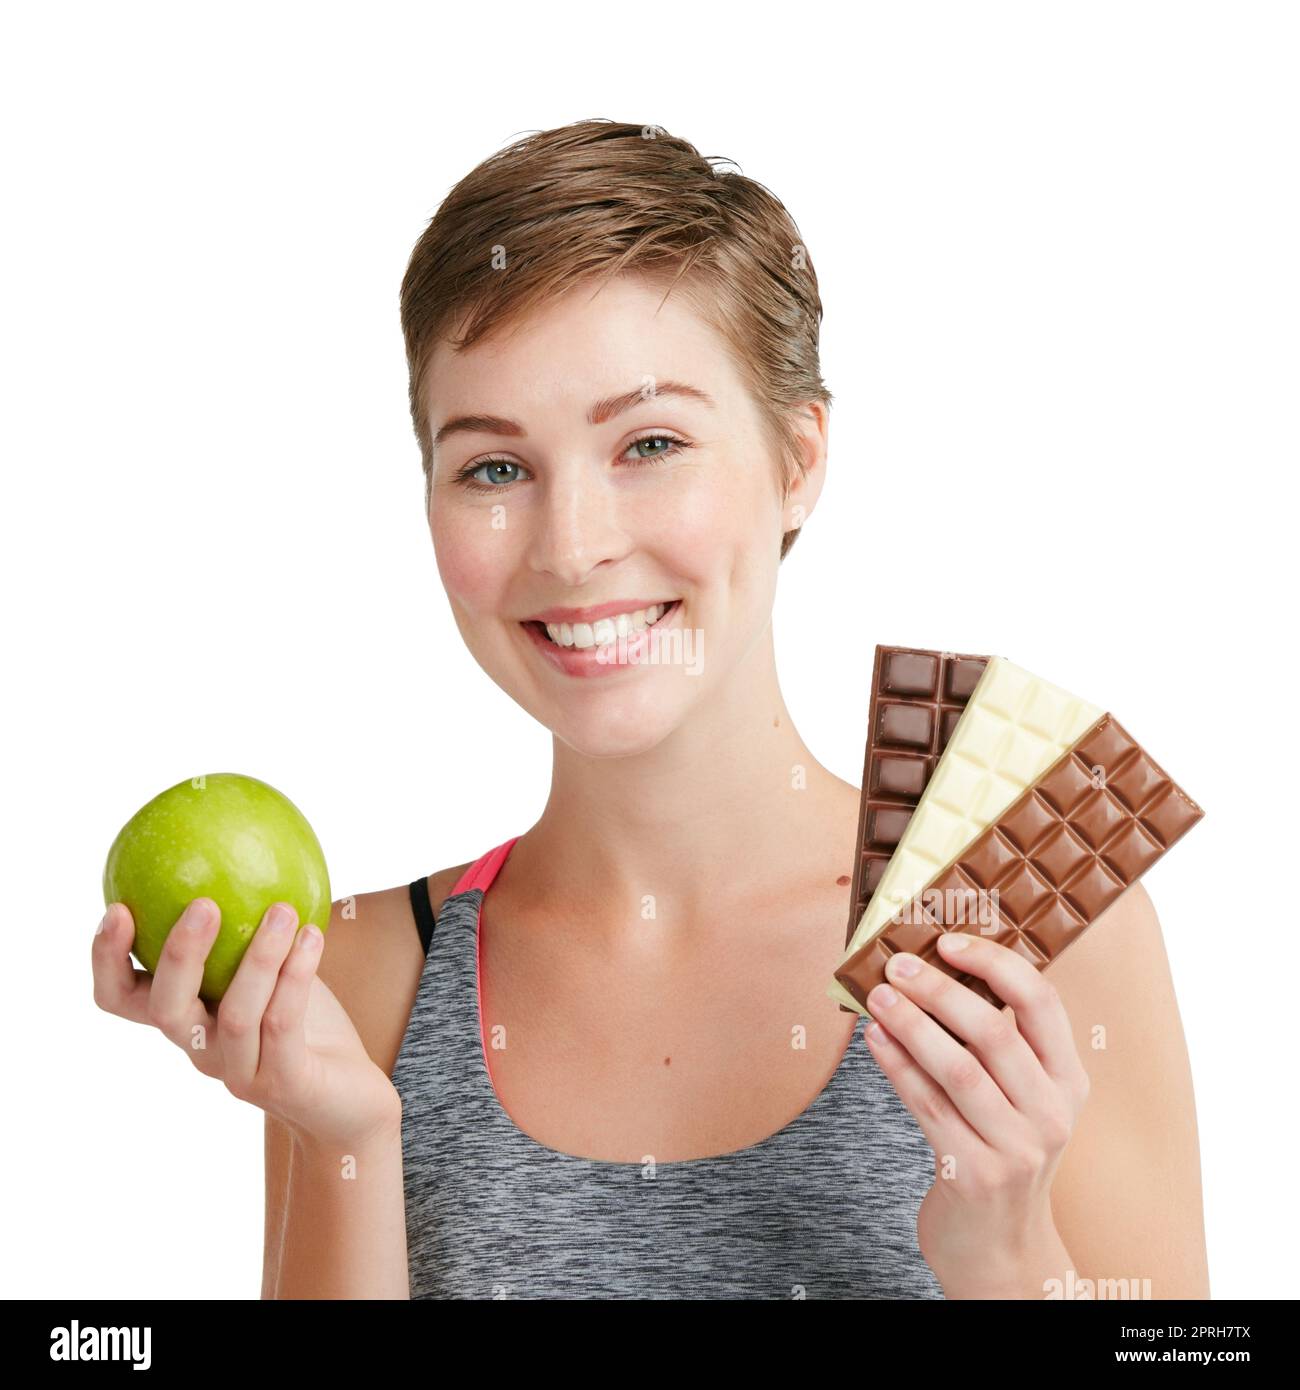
x,y
227,837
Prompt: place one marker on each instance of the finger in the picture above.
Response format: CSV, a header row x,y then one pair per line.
x,y
120,988
1041,1018
957,1071
239,1016
986,1030
175,1008
284,1031
939,1119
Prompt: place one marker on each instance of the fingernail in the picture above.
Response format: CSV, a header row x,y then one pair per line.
x,y
881,997
279,917
103,922
955,940
904,965
875,1032
200,914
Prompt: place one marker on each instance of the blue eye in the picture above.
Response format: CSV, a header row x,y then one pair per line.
x,y
495,482
492,467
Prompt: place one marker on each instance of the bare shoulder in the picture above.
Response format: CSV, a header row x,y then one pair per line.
x,y
373,959
1122,952
1130,920
1116,985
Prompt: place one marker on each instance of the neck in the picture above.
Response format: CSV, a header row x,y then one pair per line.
x,y
729,796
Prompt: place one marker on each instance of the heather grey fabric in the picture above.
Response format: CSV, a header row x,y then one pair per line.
x,y
824,1208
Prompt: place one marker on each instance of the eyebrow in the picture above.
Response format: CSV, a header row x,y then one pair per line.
x,y
599,413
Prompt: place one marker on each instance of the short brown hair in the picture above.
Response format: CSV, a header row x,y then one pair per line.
x,y
598,198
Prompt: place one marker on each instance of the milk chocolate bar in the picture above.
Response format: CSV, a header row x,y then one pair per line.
x,y
1036,880
1015,726
917,696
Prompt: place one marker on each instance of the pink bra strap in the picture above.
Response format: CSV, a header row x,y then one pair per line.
x,y
481,873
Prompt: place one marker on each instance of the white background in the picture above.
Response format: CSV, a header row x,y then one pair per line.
x,y
1057,250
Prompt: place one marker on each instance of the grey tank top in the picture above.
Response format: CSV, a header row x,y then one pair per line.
x,y
824,1208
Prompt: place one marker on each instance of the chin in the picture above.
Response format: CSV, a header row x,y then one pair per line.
x,y
612,727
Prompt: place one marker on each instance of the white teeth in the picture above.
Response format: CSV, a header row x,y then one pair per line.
x,y
604,630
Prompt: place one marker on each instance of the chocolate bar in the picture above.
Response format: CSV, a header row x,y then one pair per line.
x,y
1036,880
917,697
1014,727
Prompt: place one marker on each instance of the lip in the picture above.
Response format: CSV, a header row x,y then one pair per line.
x,y
583,662
596,610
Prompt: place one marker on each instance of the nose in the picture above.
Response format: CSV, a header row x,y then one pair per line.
x,y
577,527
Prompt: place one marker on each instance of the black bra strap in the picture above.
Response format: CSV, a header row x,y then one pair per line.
x,y
423,910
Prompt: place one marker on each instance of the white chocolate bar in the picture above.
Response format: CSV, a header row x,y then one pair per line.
x,y
1014,727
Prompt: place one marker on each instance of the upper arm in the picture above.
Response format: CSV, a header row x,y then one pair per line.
x,y
371,963
1127,1194
276,1148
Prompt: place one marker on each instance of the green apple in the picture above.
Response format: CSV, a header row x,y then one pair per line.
x,y
226,837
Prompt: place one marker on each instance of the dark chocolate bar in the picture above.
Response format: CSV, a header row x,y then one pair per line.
x,y
916,699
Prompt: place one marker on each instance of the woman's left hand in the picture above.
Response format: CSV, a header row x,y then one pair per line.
x,y
998,1112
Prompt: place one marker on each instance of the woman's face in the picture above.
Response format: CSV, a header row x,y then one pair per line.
x,y
604,458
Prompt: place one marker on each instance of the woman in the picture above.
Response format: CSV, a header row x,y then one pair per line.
x,y
600,1061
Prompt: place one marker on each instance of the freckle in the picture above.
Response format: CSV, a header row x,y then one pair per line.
x,y
776,723
842,880
668,1061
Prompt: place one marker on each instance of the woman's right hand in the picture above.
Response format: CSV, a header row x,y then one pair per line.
x,y
279,1038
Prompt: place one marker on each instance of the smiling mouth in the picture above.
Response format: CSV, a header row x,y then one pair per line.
x,y
604,630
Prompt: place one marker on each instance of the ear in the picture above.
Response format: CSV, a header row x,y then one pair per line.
x,y
812,426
